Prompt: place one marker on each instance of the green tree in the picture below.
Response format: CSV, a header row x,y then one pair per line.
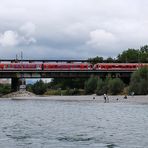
x,y
110,60
102,87
115,86
144,54
39,87
5,89
96,60
65,83
91,85
139,82
129,56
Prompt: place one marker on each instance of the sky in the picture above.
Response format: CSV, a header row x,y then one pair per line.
x,y
71,29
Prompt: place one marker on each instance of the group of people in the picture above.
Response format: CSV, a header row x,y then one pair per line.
x,y
106,98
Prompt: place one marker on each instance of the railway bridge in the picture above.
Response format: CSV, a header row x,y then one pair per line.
x,y
17,75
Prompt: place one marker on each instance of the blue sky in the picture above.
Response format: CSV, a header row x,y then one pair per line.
x,y
71,29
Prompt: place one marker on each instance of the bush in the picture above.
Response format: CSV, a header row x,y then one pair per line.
x,y
102,87
139,82
39,87
115,86
91,85
5,89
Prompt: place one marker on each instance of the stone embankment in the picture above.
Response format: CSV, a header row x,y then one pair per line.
x,y
19,94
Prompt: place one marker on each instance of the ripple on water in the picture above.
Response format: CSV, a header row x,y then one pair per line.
x,y
72,124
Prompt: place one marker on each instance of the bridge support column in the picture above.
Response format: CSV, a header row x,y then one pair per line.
x,y
14,84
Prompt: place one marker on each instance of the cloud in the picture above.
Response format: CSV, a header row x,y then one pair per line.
x,y
100,38
28,29
9,38
21,37
72,28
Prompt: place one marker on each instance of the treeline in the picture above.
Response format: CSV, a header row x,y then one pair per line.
x,y
128,56
138,84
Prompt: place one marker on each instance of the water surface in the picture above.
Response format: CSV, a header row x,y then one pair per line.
x,y
72,124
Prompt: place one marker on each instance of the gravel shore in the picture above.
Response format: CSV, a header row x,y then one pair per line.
x,y
112,99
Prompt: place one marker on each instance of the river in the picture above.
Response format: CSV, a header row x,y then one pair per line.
x,y
72,124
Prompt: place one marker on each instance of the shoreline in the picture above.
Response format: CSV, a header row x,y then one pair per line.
x,y
112,99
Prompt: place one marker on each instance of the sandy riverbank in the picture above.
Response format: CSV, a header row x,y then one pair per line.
x,y
112,99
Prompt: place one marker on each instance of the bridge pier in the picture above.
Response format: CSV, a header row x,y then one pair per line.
x,y
14,84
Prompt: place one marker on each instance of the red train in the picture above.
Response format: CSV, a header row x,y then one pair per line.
x,y
69,66
119,66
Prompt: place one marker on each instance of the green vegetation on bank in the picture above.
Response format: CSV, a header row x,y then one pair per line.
x,y
94,85
139,82
5,89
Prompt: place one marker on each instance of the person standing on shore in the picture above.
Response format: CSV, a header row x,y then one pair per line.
x,y
105,97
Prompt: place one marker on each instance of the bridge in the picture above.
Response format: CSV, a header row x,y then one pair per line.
x,y
16,75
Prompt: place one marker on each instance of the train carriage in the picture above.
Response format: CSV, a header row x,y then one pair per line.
x,y
67,66
117,66
21,66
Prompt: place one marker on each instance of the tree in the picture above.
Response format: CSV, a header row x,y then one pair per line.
x,y
129,56
5,89
39,87
115,86
139,82
96,60
102,87
91,85
144,54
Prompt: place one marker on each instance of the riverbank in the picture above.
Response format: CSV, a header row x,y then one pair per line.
x,y
100,99
19,94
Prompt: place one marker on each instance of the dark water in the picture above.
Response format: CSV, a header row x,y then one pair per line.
x,y
72,124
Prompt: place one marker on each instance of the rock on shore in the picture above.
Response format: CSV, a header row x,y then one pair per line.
x,y
19,94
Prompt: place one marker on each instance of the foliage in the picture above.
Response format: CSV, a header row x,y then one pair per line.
x,y
5,89
115,86
129,56
91,85
139,81
96,60
134,55
39,87
102,87
65,92
64,83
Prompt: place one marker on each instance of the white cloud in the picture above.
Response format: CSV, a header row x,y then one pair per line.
x,y
21,37
9,38
101,38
